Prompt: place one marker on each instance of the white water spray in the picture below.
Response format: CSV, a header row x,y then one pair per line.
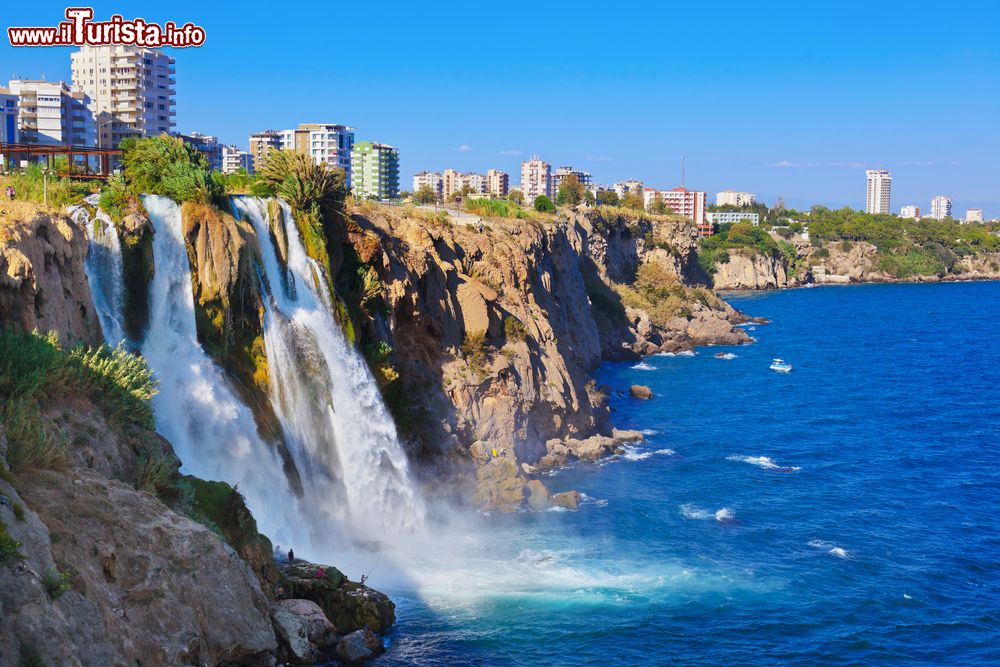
x,y
340,435
104,269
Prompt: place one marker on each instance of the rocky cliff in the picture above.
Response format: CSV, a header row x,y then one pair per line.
x,y
495,327
43,284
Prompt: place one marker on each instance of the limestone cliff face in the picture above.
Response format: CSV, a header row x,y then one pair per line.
x,y
108,574
751,270
43,284
491,330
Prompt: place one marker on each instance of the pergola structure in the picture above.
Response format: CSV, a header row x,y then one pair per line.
x,y
31,152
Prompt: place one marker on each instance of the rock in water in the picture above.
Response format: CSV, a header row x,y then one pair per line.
x,y
359,646
641,392
349,605
568,499
539,495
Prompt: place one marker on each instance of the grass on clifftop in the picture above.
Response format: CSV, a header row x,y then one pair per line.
x,y
34,369
30,185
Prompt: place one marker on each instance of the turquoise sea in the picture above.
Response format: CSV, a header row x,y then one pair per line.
x,y
847,513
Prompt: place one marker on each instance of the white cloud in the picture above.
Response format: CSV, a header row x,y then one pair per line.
x,y
512,151
916,163
785,164
464,148
598,158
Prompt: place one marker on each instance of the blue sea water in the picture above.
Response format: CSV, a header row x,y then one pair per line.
x,y
870,533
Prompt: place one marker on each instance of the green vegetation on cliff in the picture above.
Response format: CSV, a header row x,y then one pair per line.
x,y
30,184
34,369
658,292
741,236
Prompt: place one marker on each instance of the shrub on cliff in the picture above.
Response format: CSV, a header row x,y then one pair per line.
x,y
34,369
544,205
165,165
31,185
304,184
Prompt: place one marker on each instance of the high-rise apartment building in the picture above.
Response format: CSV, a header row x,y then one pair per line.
x,y
234,159
973,215
623,188
536,179
497,183
684,202
455,183
560,174
131,90
261,145
49,112
910,212
428,179
8,117
325,143
879,187
731,198
375,170
941,207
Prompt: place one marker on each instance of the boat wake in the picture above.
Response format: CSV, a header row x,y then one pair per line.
x,y
632,453
832,549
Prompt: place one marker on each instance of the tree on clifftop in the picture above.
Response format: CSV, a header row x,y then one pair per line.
x,y
544,205
305,184
570,191
425,195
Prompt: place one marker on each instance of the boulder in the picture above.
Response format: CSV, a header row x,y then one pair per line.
x,y
348,605
641,392
538,495
359,646
568,499
499,486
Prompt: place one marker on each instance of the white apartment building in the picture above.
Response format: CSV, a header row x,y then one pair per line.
x,y
325,143
879,187
684,202
941,207
973,215
536,179
49,112
561,173
497,183
732,217
731,198
910,212
428,179
623,188
131,90
8,117
234,159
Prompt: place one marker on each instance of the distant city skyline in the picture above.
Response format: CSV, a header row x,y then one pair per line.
x,y
780,113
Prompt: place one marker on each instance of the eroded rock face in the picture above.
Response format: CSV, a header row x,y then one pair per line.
x,y
303,630
750,270
43,284
349,605
143,582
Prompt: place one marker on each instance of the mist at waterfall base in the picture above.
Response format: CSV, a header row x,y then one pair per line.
x,y
843,514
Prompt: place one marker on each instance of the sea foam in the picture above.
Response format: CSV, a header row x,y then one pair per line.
x,y
765,462
643,366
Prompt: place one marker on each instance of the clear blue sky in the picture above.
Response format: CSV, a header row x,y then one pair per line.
x,y
789,99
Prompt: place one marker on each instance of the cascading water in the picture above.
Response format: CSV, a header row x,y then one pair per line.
x,y
104,269
341,437
212,431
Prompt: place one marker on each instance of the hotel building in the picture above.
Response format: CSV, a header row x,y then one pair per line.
x,y
131,91
879,187
941,207
731,198
687,203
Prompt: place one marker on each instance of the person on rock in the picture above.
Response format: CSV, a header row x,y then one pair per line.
x,y
291,555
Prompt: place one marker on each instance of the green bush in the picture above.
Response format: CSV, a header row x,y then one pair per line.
x,y
8,547
56,583
31,185
18,510
495,208
165,165
474,351
514,329
34,368
910,262
544,205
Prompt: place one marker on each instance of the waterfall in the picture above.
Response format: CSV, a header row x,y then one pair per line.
x,y
341,437
103,266
213,433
